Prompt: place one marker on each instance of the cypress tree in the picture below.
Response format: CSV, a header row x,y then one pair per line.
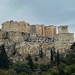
x,y
58,59
30,62
4,62
51,55
41,53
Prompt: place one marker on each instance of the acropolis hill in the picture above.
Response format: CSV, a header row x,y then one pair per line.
x,y
21,38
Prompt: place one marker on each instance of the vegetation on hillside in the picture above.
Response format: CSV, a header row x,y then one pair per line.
x,y
58,65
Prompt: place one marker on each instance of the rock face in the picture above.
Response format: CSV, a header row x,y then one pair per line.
x,y
14,36
11,40
18,45
18,51
63,41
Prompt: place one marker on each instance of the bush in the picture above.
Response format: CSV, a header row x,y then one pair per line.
x,y
2,72
44,67
10,72
36,66
54,72
73,74
72,67
45,73
19,68
23,73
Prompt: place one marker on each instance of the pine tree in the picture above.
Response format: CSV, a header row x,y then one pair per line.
x,y
30,62
51,55
58,59
4,62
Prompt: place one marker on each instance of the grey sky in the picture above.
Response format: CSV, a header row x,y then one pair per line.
x,y
56,12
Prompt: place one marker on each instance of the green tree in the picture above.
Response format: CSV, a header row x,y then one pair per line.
x,y
23,73
30,62
4,62
70,58
73,46
10,72
44,67
54,72
64,69
51,55
41,53
58,59
36,66
2,72
72,67
22,67
73,74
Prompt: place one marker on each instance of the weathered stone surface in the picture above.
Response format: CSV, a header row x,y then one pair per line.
x,y
16,26
14,36
50,31
32,48
63,29
38,29
63,41
45,31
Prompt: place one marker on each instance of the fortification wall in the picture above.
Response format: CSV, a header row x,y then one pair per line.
x,y
16,26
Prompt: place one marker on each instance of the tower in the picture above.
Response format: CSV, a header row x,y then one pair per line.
x,y
63,29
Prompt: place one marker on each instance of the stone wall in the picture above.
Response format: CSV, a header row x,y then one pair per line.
x,y
32,29
16,26
63,29
50,31
45,31
38,29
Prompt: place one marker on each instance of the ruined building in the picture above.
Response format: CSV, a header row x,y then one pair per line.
x,y
16,26
42,30
21,38
50,31
38,29
63,29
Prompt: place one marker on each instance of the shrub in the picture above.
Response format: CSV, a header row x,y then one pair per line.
x,y
23,73
54,72
36,66
22,68
10,72
2,72
44,67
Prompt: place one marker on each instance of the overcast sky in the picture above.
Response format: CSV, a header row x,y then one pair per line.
x,y
48,12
